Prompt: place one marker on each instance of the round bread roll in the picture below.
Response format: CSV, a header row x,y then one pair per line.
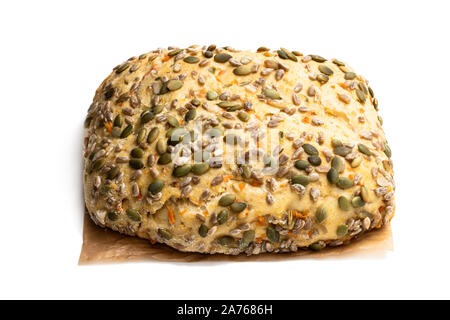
x,y
216,150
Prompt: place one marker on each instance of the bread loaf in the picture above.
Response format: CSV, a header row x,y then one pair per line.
x,y
215,150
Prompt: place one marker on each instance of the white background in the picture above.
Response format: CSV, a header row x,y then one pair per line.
x,y
54,54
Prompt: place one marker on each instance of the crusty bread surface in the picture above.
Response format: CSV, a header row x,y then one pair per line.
x,y
216,150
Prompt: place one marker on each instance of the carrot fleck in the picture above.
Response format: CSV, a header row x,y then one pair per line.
x,y
108,126
242,185
259,240
256,183
227,178
261,221
305,120
171,216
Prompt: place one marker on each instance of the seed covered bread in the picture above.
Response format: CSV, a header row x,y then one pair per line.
x,y
215,150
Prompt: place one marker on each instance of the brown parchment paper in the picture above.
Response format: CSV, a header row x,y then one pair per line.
x,y
106,246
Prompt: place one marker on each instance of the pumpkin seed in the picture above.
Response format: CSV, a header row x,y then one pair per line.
x,y
333,176
375,103
165,159
246,239
87,122
158,109
113,215
191,59
97,165
282,54
387,150
161,146
222,57
172,121
134,215
315,160
115,132
174,52
201,155
173,85
262,49
242,70
310,149
336,143
365,195
190,115
271,94
342,230
357,202
246,171
137,153
212,95
203,230
344,203
289,54
317,246
163,89
104,189
337,164
317,58
122,68
300,179
118,121
222,217
349,75
153,135
200,168
141,135
182,171
301,164
126,132
231,139
109,93
364,149
272,234
147,116
243,116
322,78
136,164
226,241
344,183
156,186
234,108
361,96
321,214
208,54
227,104
238,206
325,70
113,173
227,200
165,234
338,63
342,151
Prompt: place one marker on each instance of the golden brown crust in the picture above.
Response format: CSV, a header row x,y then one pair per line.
x,y
263,129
